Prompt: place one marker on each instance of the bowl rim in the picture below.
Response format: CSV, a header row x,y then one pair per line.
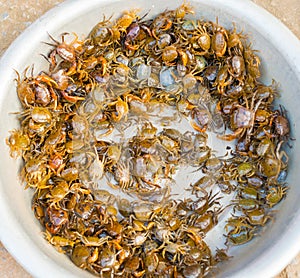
x,y
270,262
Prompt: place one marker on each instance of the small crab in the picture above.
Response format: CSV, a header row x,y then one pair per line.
x,y
66,51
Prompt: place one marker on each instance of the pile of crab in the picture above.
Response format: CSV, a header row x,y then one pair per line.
x,y
101,146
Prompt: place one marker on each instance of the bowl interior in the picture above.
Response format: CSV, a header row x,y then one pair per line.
x,y
21,233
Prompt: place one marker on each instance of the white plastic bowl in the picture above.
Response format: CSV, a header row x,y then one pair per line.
x,y
266,255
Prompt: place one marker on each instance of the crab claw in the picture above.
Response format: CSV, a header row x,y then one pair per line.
x,y
232,136
195,126
46,79
71,98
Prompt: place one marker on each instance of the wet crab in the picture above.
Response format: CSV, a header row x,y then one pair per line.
x,y
66,51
